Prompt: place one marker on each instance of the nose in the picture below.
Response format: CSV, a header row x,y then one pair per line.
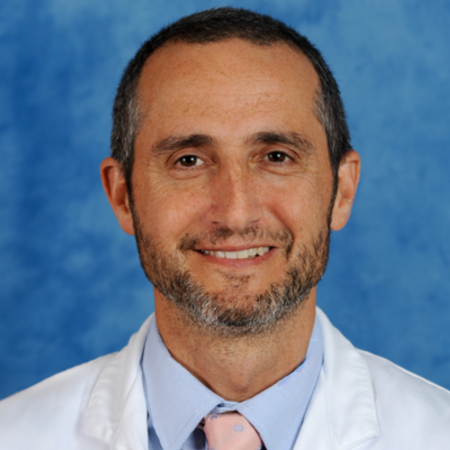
x,y
235,199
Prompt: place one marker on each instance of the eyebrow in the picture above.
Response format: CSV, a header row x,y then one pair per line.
x,y
174,143
292,139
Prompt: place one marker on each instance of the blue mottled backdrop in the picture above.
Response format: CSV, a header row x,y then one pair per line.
x,y
71,285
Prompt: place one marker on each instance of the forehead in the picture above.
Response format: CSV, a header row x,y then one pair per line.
x,y
223,81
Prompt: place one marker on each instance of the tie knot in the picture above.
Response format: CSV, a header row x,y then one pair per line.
x,y
231,431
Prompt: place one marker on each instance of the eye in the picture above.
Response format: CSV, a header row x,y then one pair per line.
x,y
190,161
277,157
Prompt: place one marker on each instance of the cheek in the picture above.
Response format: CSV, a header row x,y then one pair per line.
x,y
168,212
300,205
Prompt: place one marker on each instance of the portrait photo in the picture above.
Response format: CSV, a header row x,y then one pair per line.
x,y
233,196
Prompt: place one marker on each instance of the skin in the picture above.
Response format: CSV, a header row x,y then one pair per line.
x,y
231,92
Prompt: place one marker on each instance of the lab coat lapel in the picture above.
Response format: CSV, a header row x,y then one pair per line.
x,y
342,412
117,411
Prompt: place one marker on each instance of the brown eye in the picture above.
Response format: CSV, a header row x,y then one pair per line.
x,y
277,157
189,161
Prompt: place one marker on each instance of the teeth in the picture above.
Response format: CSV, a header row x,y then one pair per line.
x,y
242,254
262,250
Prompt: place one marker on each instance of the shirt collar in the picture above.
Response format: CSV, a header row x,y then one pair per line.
x,y
177,401
277,412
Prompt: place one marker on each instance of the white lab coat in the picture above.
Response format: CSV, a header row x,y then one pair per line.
x,y
361,402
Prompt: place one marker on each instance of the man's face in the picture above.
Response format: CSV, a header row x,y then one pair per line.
x,y
231,161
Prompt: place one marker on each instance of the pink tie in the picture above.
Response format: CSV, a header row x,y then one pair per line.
x,y
230,431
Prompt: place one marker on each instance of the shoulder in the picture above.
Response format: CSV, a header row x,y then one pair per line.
x,y
397,389
64,385
52,406
82,408
371,400
409,408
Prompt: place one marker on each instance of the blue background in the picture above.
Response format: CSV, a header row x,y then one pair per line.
x,y
71,285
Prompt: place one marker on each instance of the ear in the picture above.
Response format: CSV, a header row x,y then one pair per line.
x,y
116,190
348,178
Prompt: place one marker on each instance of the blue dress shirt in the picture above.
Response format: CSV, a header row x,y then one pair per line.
x,y
177,401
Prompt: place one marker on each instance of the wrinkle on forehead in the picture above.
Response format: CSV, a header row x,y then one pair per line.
x,y
236,70
227,90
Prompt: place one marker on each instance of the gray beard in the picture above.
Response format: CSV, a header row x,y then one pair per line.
x,y
232,312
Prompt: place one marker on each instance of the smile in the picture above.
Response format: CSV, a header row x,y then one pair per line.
x,y
241,254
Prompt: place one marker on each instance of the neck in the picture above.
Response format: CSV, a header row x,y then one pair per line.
x,y
236,368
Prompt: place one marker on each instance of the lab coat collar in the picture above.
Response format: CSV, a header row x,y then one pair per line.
x,y
341,413
117,410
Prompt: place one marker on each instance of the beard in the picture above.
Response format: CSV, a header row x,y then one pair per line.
x,y
233,311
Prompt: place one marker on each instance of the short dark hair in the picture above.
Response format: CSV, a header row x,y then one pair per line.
x,y
215,25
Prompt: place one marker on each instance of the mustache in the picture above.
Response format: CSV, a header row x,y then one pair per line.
x,y
282,238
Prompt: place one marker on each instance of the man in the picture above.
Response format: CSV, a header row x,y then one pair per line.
x,y
230,164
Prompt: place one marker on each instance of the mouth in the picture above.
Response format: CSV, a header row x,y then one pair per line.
x,y
249,253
